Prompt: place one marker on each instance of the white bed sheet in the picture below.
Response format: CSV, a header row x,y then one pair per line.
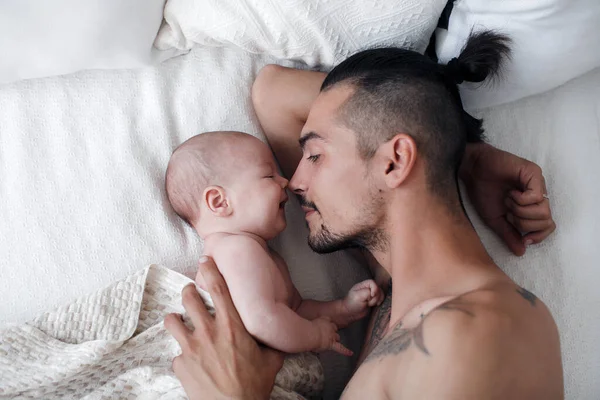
x,y
82,161
560,130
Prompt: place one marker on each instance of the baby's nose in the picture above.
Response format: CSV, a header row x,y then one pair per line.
x,y
284,182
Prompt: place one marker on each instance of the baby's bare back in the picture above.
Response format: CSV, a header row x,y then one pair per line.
x,y
268,277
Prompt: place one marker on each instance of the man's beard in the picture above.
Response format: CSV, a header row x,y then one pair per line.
x,y
366,235
325,241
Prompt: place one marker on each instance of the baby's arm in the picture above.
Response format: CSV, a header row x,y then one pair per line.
x,y
248,270
353,307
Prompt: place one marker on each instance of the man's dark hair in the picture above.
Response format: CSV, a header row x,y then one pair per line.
x,y
402,91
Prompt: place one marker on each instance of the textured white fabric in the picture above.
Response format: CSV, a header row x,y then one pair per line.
x,y
553,41
82,201
45,38
315,32
560,130
113,344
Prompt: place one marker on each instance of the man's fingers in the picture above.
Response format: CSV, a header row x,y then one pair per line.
x,y
194,306
176,365
217,288
174,325
540,211
532,184
529,225
509,234
340,348
527,197
537,237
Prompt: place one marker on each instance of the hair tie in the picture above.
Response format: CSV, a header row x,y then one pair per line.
x,y
454,71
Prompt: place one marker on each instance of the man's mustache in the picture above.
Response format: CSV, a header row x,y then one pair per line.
x,y
305,203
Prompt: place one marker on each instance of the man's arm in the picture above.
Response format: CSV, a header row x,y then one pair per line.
x,y
247,268
282,98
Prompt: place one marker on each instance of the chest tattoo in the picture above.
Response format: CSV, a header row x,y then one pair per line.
x,y
382,319
401,338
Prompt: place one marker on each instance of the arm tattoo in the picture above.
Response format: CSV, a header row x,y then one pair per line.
x,y
401,338
527,295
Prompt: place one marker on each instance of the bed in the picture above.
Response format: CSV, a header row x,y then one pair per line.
x,y
82,160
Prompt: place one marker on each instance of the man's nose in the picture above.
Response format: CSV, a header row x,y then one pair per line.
x,y
296,184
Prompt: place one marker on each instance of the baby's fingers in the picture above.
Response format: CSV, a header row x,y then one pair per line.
x,y
340,348
373,301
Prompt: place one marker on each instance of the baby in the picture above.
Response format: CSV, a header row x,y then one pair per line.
x,y
226,185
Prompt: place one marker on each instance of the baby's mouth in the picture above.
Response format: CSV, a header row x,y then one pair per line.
x,y
282,204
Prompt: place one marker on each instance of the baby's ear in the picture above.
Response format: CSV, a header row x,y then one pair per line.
x,y
216,200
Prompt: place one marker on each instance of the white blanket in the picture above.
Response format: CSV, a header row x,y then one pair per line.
x,y
113,344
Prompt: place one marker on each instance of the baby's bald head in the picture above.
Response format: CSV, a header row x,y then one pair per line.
x,y
201,161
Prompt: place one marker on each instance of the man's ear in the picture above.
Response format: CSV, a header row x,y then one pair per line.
x,y
400,155
216,201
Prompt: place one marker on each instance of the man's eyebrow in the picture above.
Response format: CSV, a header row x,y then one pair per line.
x,y
307,137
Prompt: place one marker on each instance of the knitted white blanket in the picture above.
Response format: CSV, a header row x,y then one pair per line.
x,y
112,344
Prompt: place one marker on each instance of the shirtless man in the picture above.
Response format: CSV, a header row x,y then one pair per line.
x,y
377,169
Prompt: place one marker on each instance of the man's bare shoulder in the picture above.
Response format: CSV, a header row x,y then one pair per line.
x,y
494,343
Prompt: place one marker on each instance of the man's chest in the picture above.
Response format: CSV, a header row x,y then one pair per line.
x,y
378,325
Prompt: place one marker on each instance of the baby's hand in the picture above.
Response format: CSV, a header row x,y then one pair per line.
x,y
329,338
362,296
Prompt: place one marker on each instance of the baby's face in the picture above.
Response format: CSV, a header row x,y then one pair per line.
x,y
258,192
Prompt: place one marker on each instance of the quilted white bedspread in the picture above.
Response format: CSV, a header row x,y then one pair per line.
x,y
113,344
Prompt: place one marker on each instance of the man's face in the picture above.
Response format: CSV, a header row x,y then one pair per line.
x,y
337,188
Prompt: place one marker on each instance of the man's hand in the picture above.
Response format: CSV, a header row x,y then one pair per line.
x,y
361,297
509,193
219,358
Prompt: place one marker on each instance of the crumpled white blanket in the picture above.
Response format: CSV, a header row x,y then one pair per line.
x,y
113,344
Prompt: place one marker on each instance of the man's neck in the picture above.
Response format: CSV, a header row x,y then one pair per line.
x,y
431,255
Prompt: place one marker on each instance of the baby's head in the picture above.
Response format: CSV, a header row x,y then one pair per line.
x,y
227,182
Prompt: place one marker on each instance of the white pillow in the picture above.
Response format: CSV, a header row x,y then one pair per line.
x,y
45,38
317,33
553,41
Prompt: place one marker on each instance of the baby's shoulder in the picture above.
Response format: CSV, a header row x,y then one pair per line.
x,y
232,245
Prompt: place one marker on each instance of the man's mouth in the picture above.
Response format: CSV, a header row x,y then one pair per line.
x,y
308,211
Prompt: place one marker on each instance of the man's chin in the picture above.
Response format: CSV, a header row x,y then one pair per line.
x,y
323,245
325,242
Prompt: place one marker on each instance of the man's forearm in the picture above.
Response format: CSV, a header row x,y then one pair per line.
x,y
470,158
282,98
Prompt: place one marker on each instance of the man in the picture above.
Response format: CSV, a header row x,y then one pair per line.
x,y
382,140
